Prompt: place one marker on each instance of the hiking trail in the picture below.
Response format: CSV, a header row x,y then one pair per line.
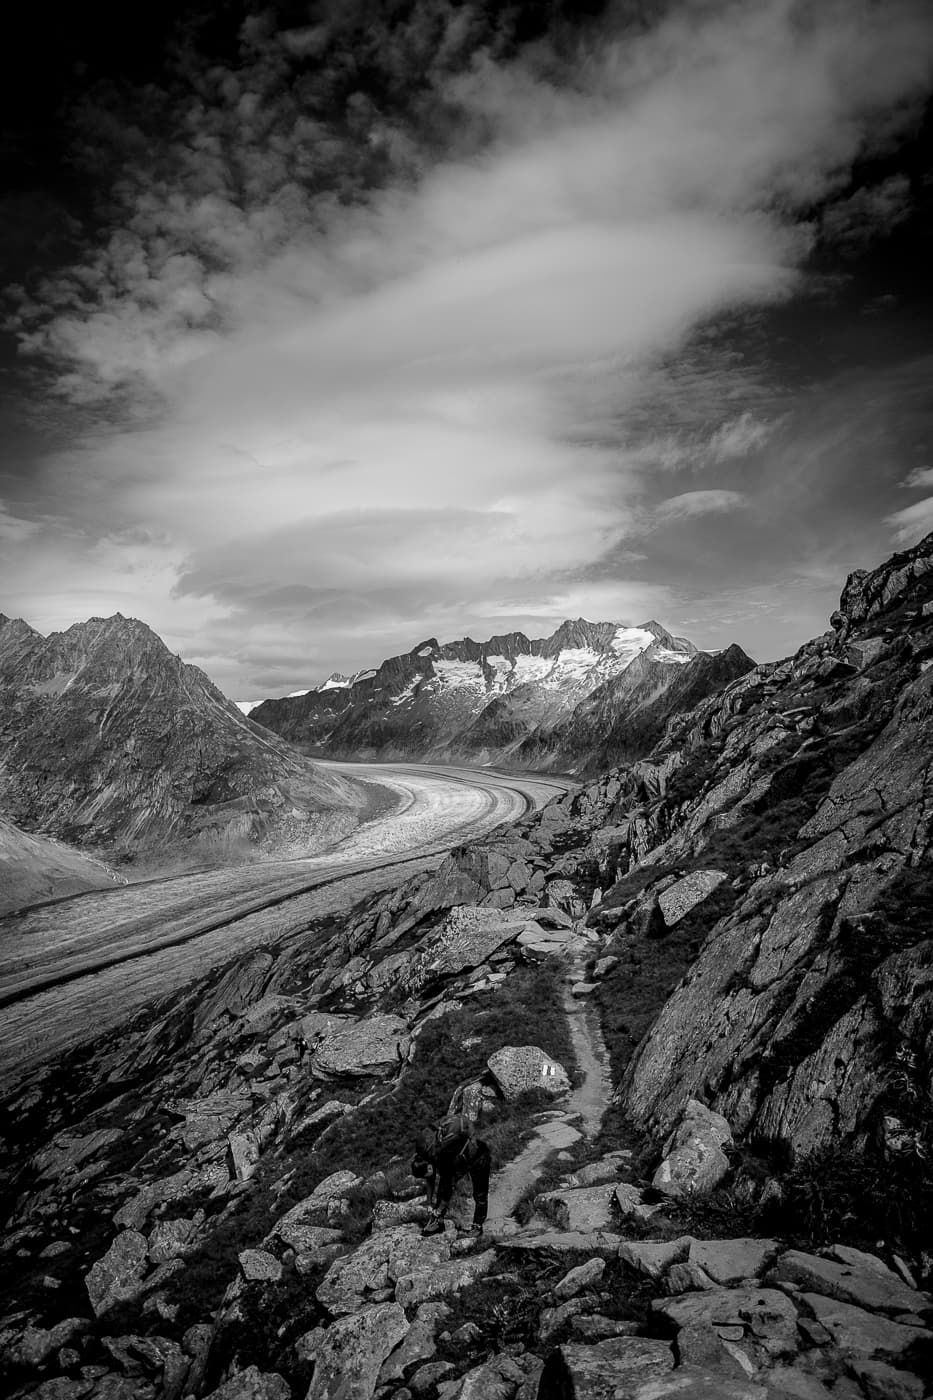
x,y
580,1116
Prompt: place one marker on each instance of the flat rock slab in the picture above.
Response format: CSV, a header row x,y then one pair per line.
x,y
730,1261
862,1285
863,1333
655,1257
612,1370
764,1312
691,1383
587,1208
604,1242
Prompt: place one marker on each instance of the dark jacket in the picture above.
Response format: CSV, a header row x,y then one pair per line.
x,y
442,1166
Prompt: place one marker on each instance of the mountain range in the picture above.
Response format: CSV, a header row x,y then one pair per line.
x,y
108,740
590,694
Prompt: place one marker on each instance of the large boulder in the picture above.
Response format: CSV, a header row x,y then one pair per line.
x,y
378,1263
466,938
253,1384
518,1068
376,1045
444,1280
865,1285
610,1370
582,1208
117,1276
694,1160
353,1352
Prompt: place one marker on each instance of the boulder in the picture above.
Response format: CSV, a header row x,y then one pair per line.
x,y
117,1276
259,1266
495,1379
762,1312
654,1257
584,1209
244,1155
376,1045
583,1276
865,1286
68,1151
353,1352
417,1344
171,1239
378,1263
252,1384
595,1327
730,1261
862,1333
610,1370
518,1068
442,1280
387,1214
694,1160
602,1242
632,1204
466,939
685,894
883,1382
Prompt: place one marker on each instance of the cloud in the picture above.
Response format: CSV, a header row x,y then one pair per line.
x,y
911,524
693,503
867,214
919,477
739,437
383,327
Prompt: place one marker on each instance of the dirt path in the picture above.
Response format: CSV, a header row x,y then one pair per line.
x,y
579,1117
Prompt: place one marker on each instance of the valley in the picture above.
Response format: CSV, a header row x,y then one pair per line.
x,y
92,959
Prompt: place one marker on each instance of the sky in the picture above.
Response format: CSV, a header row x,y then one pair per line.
x,y
331,327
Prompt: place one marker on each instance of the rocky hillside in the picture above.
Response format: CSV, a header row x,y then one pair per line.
x,y
216,1200
787,822
108,740
587,696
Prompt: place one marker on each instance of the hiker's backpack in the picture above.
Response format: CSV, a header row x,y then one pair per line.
x,y
453,1128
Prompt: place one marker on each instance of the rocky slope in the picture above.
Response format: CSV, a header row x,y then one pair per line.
x,y
589,695
795,808
108,740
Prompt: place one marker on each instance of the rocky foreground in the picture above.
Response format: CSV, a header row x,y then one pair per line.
x,y
216,1201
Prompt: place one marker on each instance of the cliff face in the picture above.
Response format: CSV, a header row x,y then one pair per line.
x,y
806,789
590,694
108,739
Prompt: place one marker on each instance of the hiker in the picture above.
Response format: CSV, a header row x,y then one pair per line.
x,y
441,1155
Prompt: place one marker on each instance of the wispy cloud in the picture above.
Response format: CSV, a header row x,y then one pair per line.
x,y
920,477
352,364
693,503
913,522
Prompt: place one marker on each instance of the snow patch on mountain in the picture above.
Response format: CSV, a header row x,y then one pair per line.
x,y
451,673
245,706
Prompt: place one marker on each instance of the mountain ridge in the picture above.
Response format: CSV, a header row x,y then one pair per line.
x,y
107,738
507,700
